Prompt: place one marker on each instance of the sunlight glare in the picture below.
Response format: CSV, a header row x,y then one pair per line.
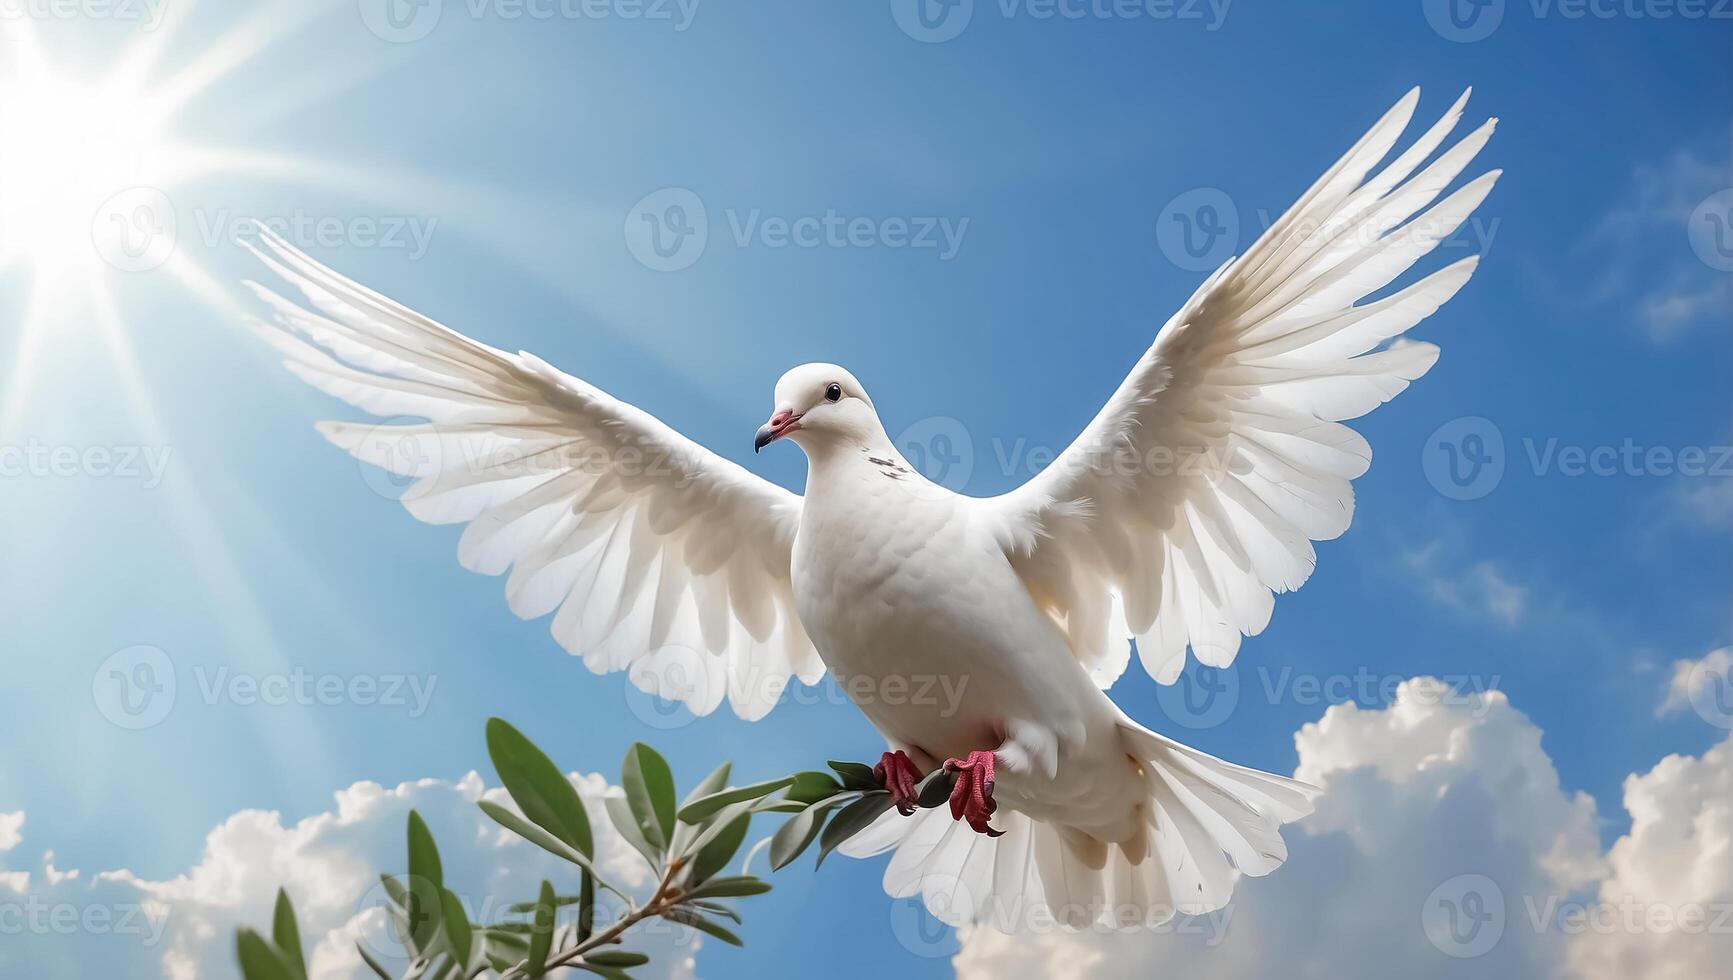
x,y
68,150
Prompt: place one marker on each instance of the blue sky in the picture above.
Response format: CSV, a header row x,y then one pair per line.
x,y
499,161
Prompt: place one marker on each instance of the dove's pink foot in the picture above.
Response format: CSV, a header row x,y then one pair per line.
x,y
972,793
899,776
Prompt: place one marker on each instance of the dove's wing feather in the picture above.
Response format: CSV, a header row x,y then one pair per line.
x,y
1197,491
660,557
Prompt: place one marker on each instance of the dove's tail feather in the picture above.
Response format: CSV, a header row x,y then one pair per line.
x,y
1204,820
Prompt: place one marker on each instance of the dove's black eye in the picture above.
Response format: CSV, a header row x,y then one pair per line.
x,y
833,392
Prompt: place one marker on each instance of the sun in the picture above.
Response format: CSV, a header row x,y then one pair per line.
x,y
72,154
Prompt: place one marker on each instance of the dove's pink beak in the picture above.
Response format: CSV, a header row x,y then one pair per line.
x,y
780,424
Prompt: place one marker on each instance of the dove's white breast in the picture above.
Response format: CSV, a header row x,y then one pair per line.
x,y
926,626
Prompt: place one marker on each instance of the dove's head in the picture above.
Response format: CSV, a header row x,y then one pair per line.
x,y
818,406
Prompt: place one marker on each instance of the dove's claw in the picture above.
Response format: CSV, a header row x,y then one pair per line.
x,y
972,793
899,775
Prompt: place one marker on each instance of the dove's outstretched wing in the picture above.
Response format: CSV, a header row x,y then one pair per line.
x,y
1196,493
661,557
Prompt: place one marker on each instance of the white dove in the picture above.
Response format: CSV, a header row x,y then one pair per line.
x,y
1191,498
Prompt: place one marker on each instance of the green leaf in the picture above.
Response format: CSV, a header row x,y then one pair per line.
x,y
649,786
851,820
260,960
734,886
586,908
856,775
717,908
778,806
714,854
426,882
423,853
457,930
609,972
372,964
615,958
684,831
794,837
538,787
394,888
687,917
935,790
542,839
810,787
712,804
713,783
626,822
542,936
524,908
286,934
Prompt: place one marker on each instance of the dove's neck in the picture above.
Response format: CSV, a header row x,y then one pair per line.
x,y
836,459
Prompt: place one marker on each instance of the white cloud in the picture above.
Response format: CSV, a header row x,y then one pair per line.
x,y
1435,814
10,824
1481,588
1706,501
116,922
1675,870
1642,245
1701,685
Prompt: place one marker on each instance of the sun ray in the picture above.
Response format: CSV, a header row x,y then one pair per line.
x,y
34,326
210,557
241,44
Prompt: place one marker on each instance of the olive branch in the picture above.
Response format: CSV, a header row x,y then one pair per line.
x,y
687,845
